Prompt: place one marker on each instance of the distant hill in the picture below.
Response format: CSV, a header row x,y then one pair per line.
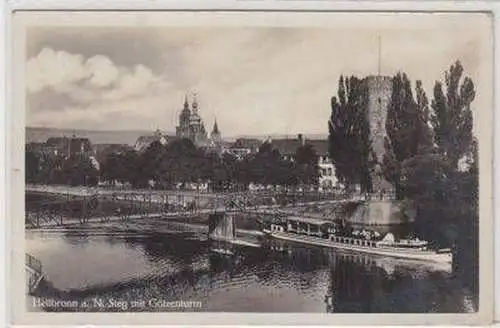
x,y
39,134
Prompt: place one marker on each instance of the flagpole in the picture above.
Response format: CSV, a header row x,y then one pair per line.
x,y
379,54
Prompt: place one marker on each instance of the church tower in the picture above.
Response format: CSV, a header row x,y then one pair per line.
x,y
215,135
197,132
191,125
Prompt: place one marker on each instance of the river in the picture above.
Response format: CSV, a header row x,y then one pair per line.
x,y
171,267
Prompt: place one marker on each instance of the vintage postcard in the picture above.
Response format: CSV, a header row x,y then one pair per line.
x,y
189,167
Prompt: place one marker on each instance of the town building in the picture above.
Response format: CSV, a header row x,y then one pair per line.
x,y
80,146
288,148
191,125
64,146
36,147
327,178
143,142
243,147
104,150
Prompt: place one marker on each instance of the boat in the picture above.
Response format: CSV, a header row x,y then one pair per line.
x,y
324,233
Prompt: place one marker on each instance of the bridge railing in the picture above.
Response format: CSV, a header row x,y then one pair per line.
x,y
155,202
32,263
34,271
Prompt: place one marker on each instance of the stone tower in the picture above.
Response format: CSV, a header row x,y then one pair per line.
x,y
379,97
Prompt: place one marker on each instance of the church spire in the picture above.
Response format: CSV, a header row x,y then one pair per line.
x,y
215,134
216,128
186,103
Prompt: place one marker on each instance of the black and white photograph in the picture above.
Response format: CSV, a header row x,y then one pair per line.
x,y
330,166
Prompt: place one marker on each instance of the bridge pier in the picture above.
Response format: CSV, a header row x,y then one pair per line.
x,y
221,226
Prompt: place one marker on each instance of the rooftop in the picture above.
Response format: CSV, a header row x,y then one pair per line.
x,y
289,146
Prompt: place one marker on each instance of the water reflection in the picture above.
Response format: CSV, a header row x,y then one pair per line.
x,y
278,277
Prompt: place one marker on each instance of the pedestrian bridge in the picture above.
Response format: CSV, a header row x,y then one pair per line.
x,y
63,205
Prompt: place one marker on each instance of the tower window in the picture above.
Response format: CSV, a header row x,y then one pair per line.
x,y
379,100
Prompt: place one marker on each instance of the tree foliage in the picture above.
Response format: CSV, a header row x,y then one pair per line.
x,y
180,162
306,162
79,171
121,167
452,114
408,132
268,167
32,166
349,133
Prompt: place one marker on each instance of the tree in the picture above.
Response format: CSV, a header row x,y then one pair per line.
x,y
131,168
268,167
79,171
32,166
452,114
473,157
112,168
181,162
148,165
424,130
349,133
408,132
51,169
120,167
224,172
424,179
307,168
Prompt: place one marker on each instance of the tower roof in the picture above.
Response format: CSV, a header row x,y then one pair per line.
x,y
195,103
215,129
186,112
186,103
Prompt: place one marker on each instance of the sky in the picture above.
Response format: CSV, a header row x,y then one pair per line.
x,y
255,80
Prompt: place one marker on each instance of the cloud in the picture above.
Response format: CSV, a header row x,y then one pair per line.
x,y
54,68
134,82
95,77
79,87
103,71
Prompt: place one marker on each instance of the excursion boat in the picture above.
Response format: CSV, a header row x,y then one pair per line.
x,y
323,233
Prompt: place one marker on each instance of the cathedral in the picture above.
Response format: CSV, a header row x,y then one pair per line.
x,y
191,127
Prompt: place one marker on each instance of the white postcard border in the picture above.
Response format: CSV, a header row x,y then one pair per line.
x,y
15,191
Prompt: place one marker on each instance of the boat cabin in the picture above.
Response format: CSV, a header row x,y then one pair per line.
x,y
303,226
390,241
